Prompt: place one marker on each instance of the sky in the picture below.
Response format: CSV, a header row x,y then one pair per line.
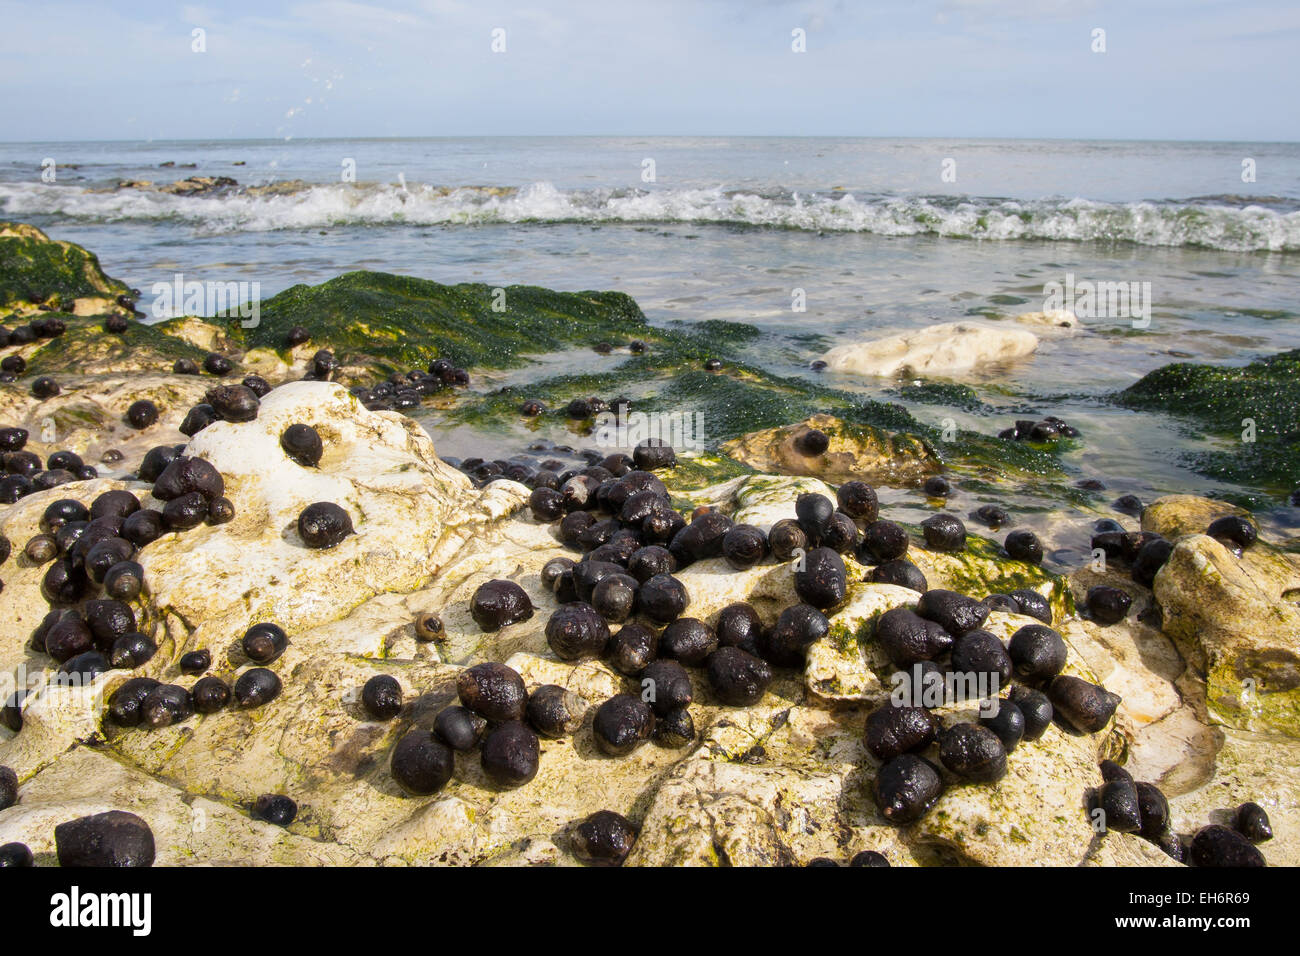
x,y
1171,69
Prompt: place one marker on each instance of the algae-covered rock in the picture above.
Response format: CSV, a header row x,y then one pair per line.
x,y
403,322
88,415
1238,621
36,268
1176,515
1252,407
859,452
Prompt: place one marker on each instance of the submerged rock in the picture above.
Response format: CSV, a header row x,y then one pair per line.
x,y
934,350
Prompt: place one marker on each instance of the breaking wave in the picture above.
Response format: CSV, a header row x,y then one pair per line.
x,y
1230,223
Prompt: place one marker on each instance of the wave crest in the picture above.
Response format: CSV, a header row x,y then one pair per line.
x,y
1208,222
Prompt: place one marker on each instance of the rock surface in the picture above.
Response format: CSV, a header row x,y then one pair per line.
x,y
1205,662
855,451
948,348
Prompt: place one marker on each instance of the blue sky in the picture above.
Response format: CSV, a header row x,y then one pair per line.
x,y
1173,69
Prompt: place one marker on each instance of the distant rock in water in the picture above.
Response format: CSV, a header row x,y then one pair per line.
x,y
936,349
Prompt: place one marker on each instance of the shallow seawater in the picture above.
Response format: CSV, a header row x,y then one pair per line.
x,y
862,230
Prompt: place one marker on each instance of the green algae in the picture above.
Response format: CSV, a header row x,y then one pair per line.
x,y
1256,407
35,268
400,322
87,346
948,394
703,471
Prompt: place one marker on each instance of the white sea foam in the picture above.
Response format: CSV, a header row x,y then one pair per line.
x,y
1212,223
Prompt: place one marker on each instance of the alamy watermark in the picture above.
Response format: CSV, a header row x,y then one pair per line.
x,y
240,299
1100,300
930,689
619,428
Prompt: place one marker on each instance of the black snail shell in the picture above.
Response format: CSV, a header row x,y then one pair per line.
x,y
955,613
785,538
196,662
553,711
662,598
1154,810
185,475
165,705
493,690
1084,706
16,855
1252,823
429,627
302,444
603,839
822,581
1007,723
421,765
614,597
198,418
381,696
1218,846
1038,653
1035,708
981,654
256,687
220,511
324,525
738,678
944,532
275,808
795,630
688,640
577,630
813,512
510,754
622,724
131,650
499,603
899,572
812,442
260,386
1235,529
632,648
937,486
112,839
1118,801
210,694
973,752
217,365
857,499
459,728
124,581
1032,604
906,788
744,546
892,731
883,541
185,511
141,414
1108,605
738,626
1024,546
675,728
124,707
264,642
907,638
646,562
